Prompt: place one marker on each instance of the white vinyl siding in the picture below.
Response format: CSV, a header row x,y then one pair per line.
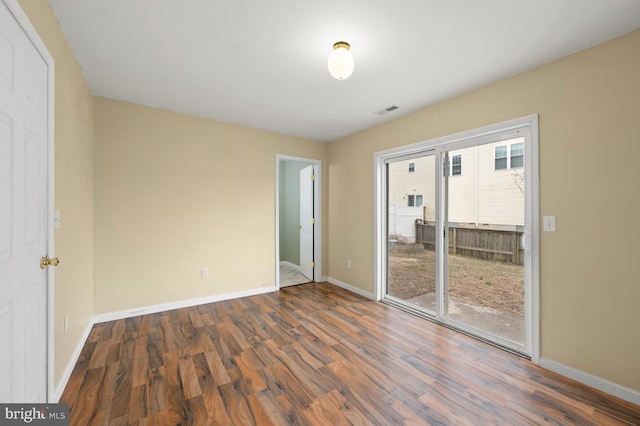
x,y
502,191
420,182
462,189
480,195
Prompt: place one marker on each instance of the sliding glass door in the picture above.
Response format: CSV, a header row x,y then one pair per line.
x,y
457,225
483,222
411,257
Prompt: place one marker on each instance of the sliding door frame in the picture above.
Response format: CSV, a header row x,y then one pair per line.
x,y
388,160
446,143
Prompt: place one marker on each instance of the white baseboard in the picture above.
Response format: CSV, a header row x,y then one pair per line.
x,y
111,316
601,384
351,288
72,363
287,263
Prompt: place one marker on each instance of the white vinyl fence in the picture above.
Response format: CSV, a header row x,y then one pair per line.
x,y
402,222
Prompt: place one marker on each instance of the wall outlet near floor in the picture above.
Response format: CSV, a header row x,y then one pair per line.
x,y
348,264
66,324
204,272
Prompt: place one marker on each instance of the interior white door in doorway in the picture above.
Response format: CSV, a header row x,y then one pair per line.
x,y
24,148
306,221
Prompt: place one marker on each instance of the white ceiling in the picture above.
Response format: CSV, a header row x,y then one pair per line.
x,y
263,64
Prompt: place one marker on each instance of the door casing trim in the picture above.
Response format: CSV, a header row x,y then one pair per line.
x,y
317,212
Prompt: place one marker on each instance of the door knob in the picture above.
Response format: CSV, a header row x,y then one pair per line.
x,y
45,261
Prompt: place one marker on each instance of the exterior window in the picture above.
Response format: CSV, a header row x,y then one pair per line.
x,y
414,200
501,157
456,165
412,167
517,155
509,156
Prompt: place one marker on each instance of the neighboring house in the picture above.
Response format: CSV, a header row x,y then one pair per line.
x,y
486,184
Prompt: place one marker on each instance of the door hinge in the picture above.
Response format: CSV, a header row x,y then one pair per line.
x,y
313,177
313,264
313,220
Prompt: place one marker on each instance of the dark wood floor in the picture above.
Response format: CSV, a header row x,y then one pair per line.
x,y
314,355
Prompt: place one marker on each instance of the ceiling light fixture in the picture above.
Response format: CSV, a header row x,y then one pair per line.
x,y
341,61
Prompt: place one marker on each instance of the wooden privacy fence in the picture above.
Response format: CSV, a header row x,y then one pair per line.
x,y
488,242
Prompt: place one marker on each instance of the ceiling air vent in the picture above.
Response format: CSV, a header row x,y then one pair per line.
x,y
388,109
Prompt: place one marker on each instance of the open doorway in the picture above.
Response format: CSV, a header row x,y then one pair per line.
x,y
297,221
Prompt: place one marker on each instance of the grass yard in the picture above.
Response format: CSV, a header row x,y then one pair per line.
x,y
483,283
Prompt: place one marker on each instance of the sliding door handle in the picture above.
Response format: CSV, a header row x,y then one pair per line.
x,y
525,241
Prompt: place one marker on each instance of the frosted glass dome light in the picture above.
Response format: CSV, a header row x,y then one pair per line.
x,y
341,62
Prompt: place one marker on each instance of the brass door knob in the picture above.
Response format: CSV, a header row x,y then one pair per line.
x,y
45,261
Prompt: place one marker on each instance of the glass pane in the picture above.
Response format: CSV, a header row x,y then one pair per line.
x,y
485,287
411,239
517,149
456,165
501,163
517,155
517,161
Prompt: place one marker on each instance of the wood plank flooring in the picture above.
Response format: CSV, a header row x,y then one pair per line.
x,y
315,354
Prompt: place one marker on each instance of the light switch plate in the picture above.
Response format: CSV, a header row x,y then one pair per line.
x,y
549,223
57,221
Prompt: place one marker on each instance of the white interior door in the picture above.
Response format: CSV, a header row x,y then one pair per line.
x,y
23,215
306,221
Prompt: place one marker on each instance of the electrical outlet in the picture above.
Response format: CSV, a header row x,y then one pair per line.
x,y
204,272
348,264
66,324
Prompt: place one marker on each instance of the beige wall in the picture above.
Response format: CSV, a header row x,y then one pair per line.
x,y
589,106
176,193
74,112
